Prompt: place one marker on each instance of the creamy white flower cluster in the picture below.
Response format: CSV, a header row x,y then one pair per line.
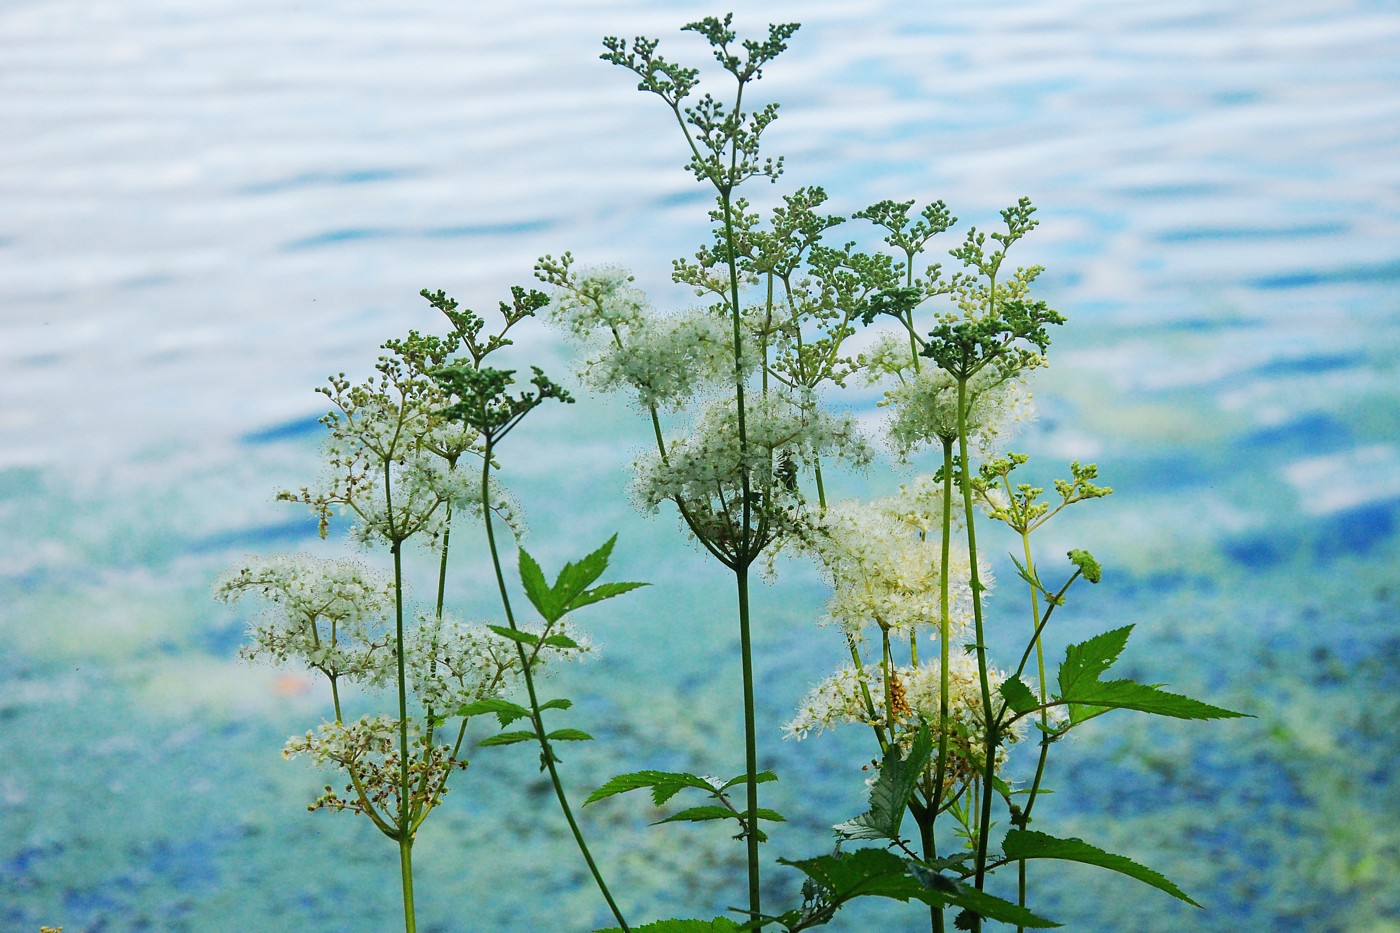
x,y
709,462
367,750
667,361
601,296
326,613
924,403
883,560
840,700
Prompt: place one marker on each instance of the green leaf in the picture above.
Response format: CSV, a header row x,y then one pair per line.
x,y
1087,661
505,710
525,638
570,590
1087,696
560,703
1021,844
560,641
890,795
961,894
700,814
536,589
507,738
762,777
569,735
717,925
576,576
1090,700
1024,574
601,592
664,785
879,873
1017,695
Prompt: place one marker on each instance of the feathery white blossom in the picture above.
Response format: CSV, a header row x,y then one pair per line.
x,y
883,560
328,614
839,700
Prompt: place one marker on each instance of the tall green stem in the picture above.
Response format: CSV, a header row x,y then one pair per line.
x,y
991,738
404,830
536,715
410,923
741,567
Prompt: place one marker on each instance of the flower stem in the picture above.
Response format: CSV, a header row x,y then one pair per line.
x,y
536,715
410,923
991,739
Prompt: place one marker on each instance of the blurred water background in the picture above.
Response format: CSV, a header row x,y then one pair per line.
x,y
207,208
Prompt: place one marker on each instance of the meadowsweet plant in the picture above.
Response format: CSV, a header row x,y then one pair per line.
x,y
742,393
736,390
410,453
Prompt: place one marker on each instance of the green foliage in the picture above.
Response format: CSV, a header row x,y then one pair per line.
x,y
666,784
842,877
1017,695
505,710
892,791
570,590
1022,844
1087,696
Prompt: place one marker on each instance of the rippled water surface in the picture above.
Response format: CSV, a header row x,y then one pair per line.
x,y
206,208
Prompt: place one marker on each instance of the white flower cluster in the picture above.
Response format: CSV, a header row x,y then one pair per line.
x,y
840,700
667,361
925,409
367,750
709,463
420,484
451,663
329,614
602,296
883,560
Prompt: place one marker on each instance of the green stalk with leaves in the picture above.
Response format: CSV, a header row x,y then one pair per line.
x,y
737,394
395,455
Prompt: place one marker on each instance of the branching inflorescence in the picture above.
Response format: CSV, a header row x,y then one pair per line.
x,y
738,393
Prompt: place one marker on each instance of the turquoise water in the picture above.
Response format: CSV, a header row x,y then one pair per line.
x,y
205,211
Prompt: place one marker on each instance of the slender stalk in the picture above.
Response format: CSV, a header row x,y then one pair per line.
x,y
1040,664
410,923
404,832
741,577
991,738
536,715
945,625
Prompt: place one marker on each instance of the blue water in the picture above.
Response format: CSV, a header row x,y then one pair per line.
x,y
205,209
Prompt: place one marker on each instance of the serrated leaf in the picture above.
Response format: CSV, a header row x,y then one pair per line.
x,y
559,703
506,711
507,738
717,925
959,893
569,735
700,815
601,592
664,785
525,638
879,873
762,777
536,588
577,575
1087,661
1017,695
560,641
1102,696
890,794
1024,574
1021,844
